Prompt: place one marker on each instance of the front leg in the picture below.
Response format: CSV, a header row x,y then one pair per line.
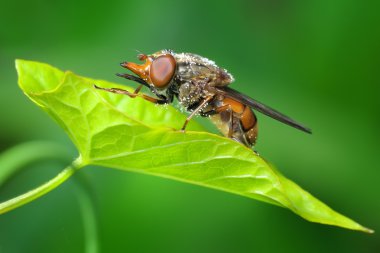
x,y
161,100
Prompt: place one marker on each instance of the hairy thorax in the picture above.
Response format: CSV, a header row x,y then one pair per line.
x,y
196,78
191,93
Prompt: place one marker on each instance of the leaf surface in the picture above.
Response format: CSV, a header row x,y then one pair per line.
x,y
118,132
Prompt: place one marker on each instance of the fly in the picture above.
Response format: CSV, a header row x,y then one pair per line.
x,y
201,87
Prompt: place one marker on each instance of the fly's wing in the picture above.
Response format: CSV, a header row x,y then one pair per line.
x,y
228,92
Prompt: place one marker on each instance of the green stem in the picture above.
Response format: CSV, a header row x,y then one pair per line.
x,y
86,204
15,158
41,190
18,157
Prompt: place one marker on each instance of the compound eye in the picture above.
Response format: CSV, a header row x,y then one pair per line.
x,y
162,70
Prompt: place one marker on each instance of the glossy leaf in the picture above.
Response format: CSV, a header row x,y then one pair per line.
x,y
116,131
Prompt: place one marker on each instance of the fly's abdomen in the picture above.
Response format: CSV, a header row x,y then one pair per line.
x,y
248,121
235,120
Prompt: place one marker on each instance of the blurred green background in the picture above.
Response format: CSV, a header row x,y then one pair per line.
x,y
317,61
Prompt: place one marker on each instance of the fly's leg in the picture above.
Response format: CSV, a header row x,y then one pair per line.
x,y
137,90
162,100
133,78
223,108
196,110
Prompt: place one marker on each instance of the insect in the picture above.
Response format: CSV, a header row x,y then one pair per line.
x,y
201,87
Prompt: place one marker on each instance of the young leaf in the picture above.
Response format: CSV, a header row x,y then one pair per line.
x,y
132,134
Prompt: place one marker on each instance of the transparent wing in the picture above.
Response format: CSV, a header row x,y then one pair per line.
x,y
228,92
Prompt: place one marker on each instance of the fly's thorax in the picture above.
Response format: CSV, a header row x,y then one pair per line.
x,y
190,93
192,66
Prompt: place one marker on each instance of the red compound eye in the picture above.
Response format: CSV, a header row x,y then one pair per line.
x,y
162,70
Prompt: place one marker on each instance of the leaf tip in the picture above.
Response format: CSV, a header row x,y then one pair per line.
x,y
368,230
361,228
36,77
18,64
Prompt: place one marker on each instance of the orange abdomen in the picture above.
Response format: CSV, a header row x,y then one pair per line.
x,y
244,122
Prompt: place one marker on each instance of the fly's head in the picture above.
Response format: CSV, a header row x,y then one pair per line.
x,y
158,69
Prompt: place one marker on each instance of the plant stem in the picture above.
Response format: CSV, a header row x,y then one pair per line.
x,y
15,158
41,190
88,212
20,156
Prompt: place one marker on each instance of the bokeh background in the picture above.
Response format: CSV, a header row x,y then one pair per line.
x,y
317,61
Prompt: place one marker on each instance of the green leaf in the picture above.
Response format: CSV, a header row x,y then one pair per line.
x,y
116,131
